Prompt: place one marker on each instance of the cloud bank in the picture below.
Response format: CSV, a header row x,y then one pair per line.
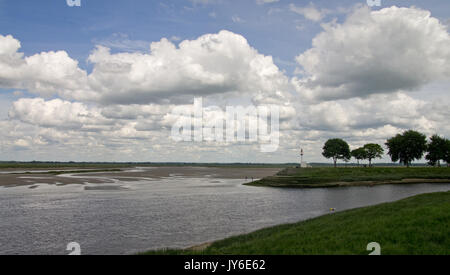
x,y
364,79
375,52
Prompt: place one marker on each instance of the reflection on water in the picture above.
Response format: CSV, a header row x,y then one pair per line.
x,y
129,217
106,187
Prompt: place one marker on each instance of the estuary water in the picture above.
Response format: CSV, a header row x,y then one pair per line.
x,y
125,217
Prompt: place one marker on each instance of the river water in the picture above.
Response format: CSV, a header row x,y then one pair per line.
x,y
175,212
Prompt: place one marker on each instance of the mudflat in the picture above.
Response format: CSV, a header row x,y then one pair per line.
x,y
18,177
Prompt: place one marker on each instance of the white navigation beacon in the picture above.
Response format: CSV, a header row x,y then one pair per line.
x,y
303,164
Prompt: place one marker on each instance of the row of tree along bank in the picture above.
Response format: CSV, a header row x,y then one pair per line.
x,y
404,148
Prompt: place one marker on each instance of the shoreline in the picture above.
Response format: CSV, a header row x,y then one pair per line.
x,y
283,239
348,183
319,177
199,248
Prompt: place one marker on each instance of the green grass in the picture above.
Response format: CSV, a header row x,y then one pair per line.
x,y
325,177
416,225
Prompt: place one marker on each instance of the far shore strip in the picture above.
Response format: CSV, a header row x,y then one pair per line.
x,y
350,183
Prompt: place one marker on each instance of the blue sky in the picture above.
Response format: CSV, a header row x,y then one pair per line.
x,y
271,28
400,84
50,25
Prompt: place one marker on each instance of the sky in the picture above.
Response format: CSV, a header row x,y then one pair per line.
x,y
101,81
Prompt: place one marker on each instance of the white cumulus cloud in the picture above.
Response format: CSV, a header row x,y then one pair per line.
x,y
211,64
375,52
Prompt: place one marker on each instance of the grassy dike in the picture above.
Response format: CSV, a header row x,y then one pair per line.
x,y
416,225
354,176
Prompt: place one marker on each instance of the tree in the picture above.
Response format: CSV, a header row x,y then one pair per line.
x,y
437,149
447,153
373,151
336,149
359,154
407,147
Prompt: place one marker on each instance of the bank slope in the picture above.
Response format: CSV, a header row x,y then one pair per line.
x,y
416,225
354,176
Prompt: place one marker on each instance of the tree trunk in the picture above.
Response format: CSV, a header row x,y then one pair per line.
x,y
335,160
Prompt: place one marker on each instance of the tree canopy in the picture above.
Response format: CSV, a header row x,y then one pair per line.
x,y
437,150
336,149
447,152
407,147
359,154
373,151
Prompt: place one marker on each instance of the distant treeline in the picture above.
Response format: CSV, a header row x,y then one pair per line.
x,y
56,164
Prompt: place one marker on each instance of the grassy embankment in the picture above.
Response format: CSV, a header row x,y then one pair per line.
x,y
416,225
335,177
